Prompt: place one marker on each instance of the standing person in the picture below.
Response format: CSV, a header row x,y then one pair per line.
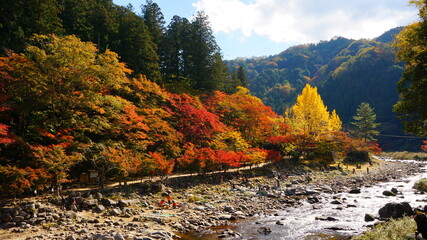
x,y
169,199
74,205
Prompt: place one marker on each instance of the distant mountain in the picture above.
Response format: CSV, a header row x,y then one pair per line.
x,y
346,72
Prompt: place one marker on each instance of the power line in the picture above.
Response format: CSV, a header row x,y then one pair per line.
x,y
396,136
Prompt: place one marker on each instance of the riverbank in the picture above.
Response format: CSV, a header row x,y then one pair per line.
x,y
204,202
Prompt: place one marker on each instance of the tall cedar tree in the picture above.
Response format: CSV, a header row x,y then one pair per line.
x,y
19,19
155,21
365,124
202,54
412,87
135,45
175,58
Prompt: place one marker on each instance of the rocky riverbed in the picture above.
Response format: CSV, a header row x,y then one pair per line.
x,y
204,202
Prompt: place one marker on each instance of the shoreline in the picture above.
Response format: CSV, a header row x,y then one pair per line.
x,y
205,202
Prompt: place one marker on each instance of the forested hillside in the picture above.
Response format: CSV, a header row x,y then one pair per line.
x,y
347,73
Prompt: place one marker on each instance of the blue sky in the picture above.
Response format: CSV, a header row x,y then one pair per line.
x,y
253,28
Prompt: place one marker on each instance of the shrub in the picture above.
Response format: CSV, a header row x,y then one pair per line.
x,y
392,230
421,185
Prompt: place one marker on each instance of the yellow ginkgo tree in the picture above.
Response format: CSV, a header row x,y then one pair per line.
x,y
309,116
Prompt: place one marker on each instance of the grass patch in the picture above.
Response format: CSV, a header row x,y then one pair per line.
x,y
398,229
421,185
405,155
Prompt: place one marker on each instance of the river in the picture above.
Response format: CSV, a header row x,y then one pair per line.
x,y
300,223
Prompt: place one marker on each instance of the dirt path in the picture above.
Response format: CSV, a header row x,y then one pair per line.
x,y
178,175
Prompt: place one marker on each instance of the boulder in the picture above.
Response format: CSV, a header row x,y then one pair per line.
x,y
226,217
264,230
99,208
18,219
355,191
229,209
280,222
291,192
9,225
330,219
127,203
108,202
89,203
369,217
116,212
157,187
396,210
388,193
118,236
336,202
98,195
6,217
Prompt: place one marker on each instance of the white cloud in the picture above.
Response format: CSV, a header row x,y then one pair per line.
x,y
302,21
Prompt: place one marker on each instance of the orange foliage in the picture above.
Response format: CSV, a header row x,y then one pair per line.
x,y
193,120
424,147
208,159
245,113
162,166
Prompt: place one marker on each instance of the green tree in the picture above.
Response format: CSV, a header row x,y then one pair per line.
x,y
365,124
202,54
135,46
412,87
241,76
175,59
155,21
22,18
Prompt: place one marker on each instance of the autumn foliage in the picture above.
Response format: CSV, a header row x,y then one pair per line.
x,y
65,105
424,147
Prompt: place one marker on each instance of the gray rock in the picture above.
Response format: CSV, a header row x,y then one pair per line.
x,y
90,203
157,187
229,209
264,230
83,230
70,238
388,193
336,202
99,208
200,208
98,195
396,210
108,202
330,219
118,236
280,222
369,217
115,211
9,225
291,192
6,217
355,191
394,190
127,203
225,217
18,219
71,214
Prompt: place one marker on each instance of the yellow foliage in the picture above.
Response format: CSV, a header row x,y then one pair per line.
x,y
335,123
229,141
310,116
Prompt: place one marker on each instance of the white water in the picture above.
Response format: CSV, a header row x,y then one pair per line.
x,y
300,222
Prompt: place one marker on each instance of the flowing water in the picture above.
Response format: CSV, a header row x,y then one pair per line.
x,y
300,223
